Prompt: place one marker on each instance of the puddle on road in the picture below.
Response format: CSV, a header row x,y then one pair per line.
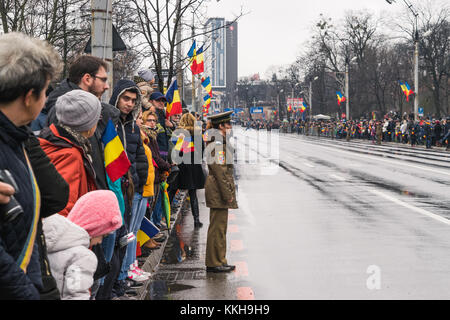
x,y
161,290
182,246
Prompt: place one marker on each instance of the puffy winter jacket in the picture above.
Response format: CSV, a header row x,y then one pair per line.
x,y
130,135
149,185
71,162
54,194
72,263
14,282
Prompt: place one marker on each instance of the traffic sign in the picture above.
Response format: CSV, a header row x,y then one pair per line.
x,y
256,110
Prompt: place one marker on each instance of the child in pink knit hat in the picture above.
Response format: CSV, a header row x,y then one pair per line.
x,y
98,213
94,215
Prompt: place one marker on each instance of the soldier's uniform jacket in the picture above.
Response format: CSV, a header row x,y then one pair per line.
x,y
219,185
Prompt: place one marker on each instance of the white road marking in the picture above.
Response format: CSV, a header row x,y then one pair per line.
x,y
336,177
411,207
383,160
244,206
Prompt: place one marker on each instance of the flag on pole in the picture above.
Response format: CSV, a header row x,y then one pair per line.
x,y
206,83
340,97
197,65
303,107
406,89
173,100
191,53
116,160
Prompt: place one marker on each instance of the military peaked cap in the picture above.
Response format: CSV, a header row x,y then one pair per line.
x,y
220,117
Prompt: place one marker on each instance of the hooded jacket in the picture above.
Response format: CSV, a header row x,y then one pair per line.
x,y
73,264
130,134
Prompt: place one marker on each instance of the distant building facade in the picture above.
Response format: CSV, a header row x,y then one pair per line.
x,y
221,62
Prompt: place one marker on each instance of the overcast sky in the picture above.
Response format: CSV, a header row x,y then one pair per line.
x,y
272,33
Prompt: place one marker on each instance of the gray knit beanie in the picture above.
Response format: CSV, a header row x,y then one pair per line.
x,y
78,109
146,74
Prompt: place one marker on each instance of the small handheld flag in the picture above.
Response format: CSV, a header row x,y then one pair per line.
x,y
173,100
148,230
116,160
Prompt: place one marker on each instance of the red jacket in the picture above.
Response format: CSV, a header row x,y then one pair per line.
x,y
70,161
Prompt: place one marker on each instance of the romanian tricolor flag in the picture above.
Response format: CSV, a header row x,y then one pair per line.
x,y
206,83
406,89
184,144
192,51
289,108
198,65
303,107
116,160
173,100
340,97
148,230
207,100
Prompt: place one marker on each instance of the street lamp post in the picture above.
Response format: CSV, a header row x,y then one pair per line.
x,y
347,90
310,97
416,57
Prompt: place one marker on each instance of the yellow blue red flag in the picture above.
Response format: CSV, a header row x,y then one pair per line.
x,y
116,160
340,97
173,100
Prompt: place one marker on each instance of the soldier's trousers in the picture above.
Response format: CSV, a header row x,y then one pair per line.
x,y
216,243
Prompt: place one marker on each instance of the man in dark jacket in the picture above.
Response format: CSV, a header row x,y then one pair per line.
x,y
54,194
126,97
158,100
27,66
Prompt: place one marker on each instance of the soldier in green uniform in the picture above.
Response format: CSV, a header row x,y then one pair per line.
x,y
220,191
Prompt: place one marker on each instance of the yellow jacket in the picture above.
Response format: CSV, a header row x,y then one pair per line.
x,y
148,187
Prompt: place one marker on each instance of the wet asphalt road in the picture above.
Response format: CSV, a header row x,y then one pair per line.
x,y
322,219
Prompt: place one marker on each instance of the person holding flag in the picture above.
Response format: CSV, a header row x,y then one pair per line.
x,y
126,97
191,176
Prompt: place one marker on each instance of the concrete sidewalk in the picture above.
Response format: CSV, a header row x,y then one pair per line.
x,y
181,273
152,262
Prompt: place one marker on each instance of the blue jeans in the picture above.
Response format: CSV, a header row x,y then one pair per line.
x,y
137,214
108,249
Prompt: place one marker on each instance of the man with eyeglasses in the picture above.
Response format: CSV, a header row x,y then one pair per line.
x,y
87,73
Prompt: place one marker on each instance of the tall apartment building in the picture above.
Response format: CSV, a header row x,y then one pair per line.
x,y
221,61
